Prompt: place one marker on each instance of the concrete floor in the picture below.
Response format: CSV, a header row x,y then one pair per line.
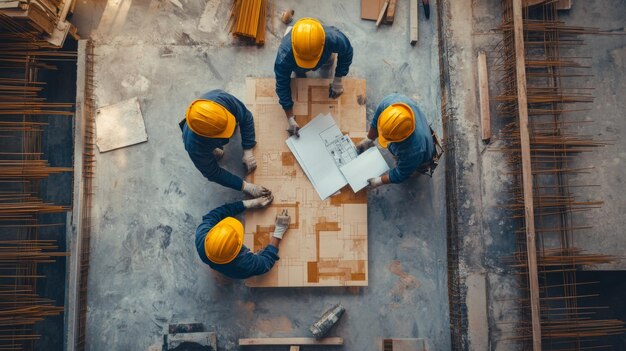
x,y
144,271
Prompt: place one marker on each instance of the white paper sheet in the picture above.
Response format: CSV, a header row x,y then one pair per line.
x,y
368,165
311,152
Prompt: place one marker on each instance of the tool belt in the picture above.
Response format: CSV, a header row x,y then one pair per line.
x,y
428,168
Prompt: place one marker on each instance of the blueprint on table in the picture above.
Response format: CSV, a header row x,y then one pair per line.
x,y
322,150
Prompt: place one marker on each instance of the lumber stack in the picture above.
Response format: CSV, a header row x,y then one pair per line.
x,y
248,19
41,16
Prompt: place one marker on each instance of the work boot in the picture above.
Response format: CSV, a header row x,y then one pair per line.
x,y
218,153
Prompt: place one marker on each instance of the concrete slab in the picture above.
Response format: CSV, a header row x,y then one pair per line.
x,y
120,125
144,271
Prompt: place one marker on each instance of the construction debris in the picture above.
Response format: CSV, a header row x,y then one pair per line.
x,y
248,19
329,318
413,21
43,16
287,16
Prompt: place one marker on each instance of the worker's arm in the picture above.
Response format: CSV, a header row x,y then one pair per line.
x,y
283,67
201,155
260,262
409,158
341,45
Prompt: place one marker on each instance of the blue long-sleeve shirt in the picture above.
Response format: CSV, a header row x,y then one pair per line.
x,y
246,264
412,152
200,148
335,42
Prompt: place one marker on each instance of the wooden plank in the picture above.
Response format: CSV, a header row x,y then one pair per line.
x,y
527,177
564,5
483,92
391,12
294,348
332,341
383,10
370,9
413,21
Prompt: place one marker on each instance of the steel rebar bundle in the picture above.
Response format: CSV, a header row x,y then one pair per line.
x,y
22,167
565,320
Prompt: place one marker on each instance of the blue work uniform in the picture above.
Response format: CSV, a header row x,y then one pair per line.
x,y
200,148
412,152
246,264
335,42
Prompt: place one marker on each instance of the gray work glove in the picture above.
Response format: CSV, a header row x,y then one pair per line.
x,y
259,202
294,128
282,224
249,160
375,182
364,145
336,88
255,190
218,153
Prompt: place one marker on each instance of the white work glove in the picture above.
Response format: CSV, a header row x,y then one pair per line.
x,y
249,160
259,202
255,190
218,153
336,88
294,128
375,182
364,145
282,224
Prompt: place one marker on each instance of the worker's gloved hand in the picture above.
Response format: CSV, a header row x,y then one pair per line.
x,y
375,182
218,153
294,128
336,88
255,190
364,145
259,202
249,160
282,224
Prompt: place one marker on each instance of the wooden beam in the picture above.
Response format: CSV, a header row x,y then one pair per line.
x,y
527,177
413,21
483,92
333,341
391,12
381,15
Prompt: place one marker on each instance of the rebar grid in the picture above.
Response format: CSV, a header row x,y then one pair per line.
x,y
22,167
555,143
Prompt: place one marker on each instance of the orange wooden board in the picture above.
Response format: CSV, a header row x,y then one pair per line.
x,y
326,244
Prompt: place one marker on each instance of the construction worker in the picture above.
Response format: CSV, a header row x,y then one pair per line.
x,y
219,240
208,125
307,47
400,125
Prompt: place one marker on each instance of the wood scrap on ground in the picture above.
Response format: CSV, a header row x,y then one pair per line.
x,y
381,11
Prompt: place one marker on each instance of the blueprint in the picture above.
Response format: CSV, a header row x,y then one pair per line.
x,y
330,160
311,152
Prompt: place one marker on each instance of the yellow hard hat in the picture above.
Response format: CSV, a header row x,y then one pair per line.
x,y
210,119
395,123
307,42
224,241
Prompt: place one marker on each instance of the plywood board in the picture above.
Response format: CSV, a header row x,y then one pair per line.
x,y
120,125
370,9
308,253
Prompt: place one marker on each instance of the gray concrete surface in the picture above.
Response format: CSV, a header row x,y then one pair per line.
x,y
144,270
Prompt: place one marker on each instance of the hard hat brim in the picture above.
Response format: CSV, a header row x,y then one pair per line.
x,y
231,123
238,227
304,63
382,141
